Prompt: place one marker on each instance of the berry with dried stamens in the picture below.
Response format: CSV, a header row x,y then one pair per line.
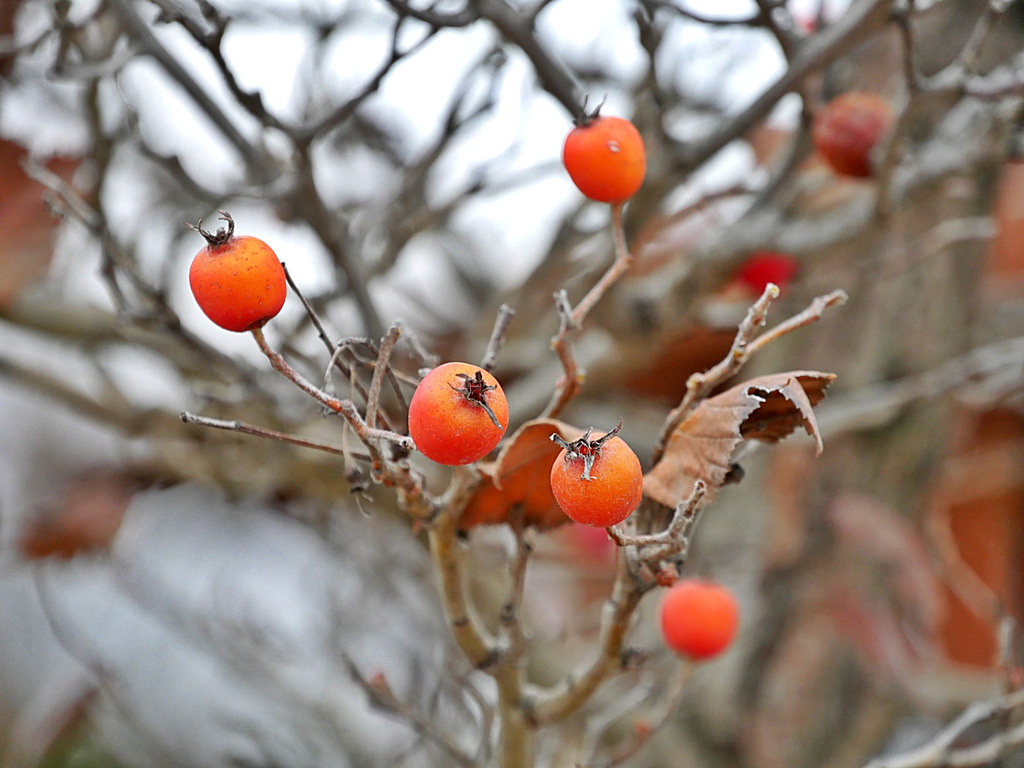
x,y
597,481
458,414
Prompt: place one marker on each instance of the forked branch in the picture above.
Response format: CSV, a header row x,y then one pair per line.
x,y
746,343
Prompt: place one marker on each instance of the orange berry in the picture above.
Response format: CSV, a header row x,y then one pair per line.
x,y
699,619
597,482
847,130
605,158
458,414
238,282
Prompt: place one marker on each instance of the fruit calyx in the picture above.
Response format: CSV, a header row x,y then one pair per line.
x,y
585,448
222,236
583,117
475,390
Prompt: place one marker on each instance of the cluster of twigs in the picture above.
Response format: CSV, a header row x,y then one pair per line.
x,y
649,559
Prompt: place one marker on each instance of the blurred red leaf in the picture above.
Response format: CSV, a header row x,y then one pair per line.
x,y
85,519
767,408
518,481
26,223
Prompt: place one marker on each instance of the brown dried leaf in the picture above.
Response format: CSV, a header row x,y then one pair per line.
x,y
519,480
767,408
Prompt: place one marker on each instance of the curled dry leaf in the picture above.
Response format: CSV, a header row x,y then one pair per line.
x,y
767,408
518,481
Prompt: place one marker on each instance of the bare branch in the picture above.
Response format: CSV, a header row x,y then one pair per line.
x,y
469,634
666,5
809,315
510,619
142,34
872,406
943,750
320,331
344,111
657,716
248,429
250,101
324,223
518,30
501,323
825,47
667,548
378,690
456,19
411,494
549,707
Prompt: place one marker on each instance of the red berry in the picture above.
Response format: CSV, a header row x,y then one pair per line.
x,y
699,619
238,282
457,414
605,158
766,267
847,130
597,482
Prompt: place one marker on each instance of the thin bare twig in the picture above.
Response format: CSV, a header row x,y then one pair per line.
x,y
411,494
320,331
873,406
344,111
143,35
549,707
454,20
518,30
271,434
656,718
510,619
654,550
251,101
825,47
571,320
699,385
380,369
501,323
711,21
378,690
809,315
911,73
943,750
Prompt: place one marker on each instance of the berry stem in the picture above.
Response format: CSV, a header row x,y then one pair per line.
x,y
571,320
